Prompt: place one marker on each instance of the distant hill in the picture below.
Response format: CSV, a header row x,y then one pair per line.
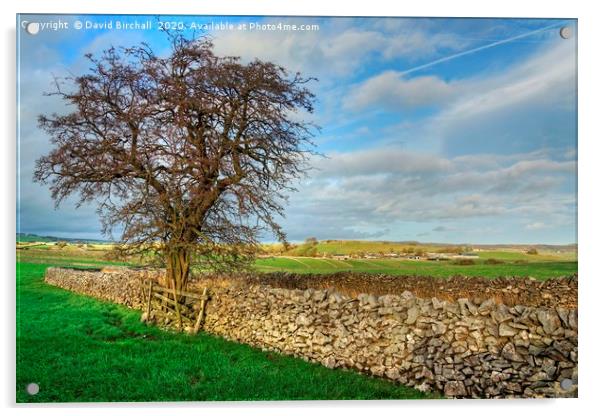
x,y
347,246
551,247
313,247
34,238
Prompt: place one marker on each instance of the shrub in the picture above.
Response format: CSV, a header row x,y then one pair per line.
x,y
464,262
311,241
494,261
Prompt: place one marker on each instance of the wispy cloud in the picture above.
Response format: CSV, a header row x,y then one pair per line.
x,y
479,49
348,193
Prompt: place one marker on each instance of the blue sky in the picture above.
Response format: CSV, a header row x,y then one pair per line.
x,y
446,130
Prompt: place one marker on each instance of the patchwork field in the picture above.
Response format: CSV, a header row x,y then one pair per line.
x,y
490,263
536,269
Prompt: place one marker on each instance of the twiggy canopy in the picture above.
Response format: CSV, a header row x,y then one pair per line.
x,y
191,154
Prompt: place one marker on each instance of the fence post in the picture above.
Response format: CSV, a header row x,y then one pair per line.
x,y
197,324
150,297
177,305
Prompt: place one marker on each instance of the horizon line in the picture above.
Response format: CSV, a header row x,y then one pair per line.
x,y
336,239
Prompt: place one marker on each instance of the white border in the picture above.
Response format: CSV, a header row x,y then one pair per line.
x,y
590,208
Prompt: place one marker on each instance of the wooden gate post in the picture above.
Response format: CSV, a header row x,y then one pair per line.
x,y
150,297
177,306
197,324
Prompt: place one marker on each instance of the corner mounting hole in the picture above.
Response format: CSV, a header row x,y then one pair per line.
x,y
566,384
32,28
33,389
565,32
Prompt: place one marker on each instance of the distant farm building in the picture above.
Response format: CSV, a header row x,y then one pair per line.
x,y
437,256
471,256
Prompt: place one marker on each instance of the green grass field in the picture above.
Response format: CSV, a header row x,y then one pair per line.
x,y
538,269
80,349
513,263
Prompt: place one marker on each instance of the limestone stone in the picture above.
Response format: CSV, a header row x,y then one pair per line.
x,y
413,313
393,373
437,304
372,301
319,295
329,361
501,314
467,307
454,388
304,320
506,330
406,295
549,319
573,319
509,353
486,307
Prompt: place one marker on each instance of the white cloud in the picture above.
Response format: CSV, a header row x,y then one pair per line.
x,y
422,44
549,75
536,226
379,161
383,187
529,106
394,92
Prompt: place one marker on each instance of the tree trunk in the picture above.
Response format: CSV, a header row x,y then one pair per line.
x,y
178,268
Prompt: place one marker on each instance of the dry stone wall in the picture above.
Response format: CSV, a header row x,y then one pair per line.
x,y
459,348
115,284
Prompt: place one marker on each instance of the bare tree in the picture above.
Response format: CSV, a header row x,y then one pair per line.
x,y
190,155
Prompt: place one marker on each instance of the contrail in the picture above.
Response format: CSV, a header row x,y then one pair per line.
x,y
480,48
